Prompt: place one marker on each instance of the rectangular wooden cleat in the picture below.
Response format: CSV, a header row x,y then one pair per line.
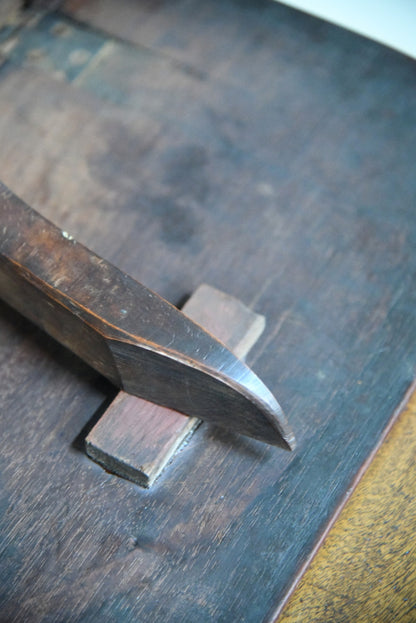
x,y
134,438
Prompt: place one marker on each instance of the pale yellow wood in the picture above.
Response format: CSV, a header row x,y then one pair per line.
x,y
366,569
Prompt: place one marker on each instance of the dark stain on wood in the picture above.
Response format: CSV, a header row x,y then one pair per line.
x,y
309,134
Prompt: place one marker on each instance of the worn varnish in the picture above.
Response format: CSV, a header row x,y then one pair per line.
x,y
135,438
243,145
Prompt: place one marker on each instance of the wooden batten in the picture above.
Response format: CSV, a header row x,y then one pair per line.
x,y
135,438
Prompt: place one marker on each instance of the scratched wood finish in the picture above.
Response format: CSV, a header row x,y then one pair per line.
x,y
267,153
128,333
135,438
366,568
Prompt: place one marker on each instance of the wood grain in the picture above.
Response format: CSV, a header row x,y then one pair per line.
x,y
134,438
366,568
276,163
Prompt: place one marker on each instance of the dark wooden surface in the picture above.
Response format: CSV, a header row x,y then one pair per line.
x,y
135,438
254,148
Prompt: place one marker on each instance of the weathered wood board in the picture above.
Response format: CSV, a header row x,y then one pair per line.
x,y
254,148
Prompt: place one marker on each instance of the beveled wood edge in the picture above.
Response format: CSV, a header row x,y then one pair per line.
x,y
275,614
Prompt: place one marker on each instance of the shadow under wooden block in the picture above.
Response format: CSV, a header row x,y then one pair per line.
x,y
135,438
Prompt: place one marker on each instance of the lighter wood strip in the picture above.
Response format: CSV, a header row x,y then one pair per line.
x,y
136,439
366,568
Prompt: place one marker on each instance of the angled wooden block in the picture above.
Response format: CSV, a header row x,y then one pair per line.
x,y
135,438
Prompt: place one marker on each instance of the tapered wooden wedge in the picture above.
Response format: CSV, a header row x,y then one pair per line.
x,y
132,336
